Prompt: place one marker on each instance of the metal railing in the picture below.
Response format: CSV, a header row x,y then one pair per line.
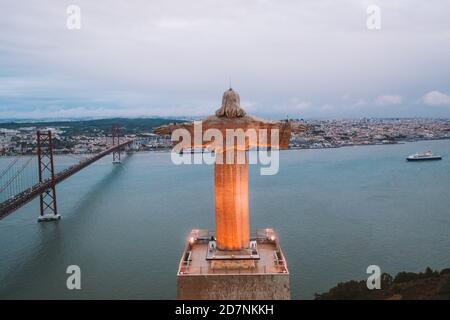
x,y
204,236
187,269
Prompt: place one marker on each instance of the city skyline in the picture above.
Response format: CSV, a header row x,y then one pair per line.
x,y
295,58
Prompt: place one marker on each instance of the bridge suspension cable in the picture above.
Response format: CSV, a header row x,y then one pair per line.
x,y
8,183
19,175
10,165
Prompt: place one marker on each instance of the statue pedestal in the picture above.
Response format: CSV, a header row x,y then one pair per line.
x,y
259,273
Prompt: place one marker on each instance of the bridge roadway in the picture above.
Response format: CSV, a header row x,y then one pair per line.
x,y
19,200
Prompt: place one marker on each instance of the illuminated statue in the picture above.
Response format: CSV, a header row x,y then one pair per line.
x,y
231,179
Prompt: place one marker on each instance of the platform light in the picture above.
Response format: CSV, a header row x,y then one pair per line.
x,y
272,238
191,240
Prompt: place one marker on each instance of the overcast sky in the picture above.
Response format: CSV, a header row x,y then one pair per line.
x,y
304,59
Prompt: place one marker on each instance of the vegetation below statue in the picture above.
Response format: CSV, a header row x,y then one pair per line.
x,y
406,285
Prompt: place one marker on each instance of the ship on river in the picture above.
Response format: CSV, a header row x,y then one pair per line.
x,y
423,156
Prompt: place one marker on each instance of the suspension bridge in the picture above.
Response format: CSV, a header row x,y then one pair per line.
x,y
25,178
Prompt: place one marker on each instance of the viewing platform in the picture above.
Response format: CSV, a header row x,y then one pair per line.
x,y
259,272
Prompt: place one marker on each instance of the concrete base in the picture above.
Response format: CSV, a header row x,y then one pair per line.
x,y
234,287
49,217
232,275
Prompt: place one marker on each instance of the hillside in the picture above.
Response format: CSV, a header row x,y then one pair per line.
x,y
426,285
128,126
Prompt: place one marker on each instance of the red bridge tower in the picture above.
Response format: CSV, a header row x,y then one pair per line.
x,y
46,167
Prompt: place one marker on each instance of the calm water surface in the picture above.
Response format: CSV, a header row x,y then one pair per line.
x,y
336,211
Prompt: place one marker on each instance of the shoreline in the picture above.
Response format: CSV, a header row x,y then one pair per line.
x,y
162,150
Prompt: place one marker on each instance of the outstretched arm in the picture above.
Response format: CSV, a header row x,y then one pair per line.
x,y
167,129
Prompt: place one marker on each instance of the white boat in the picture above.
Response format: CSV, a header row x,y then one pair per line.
x,y
196,150
423,156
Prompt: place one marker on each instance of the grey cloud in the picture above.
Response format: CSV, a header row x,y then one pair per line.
x,y
171,57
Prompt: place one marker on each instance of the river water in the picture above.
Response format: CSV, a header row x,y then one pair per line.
x,y
336,212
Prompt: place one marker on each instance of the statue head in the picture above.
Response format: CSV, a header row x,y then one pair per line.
x,y
231,107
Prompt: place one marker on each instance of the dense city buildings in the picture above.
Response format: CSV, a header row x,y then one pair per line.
x,y
81,137
19,139
367,131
